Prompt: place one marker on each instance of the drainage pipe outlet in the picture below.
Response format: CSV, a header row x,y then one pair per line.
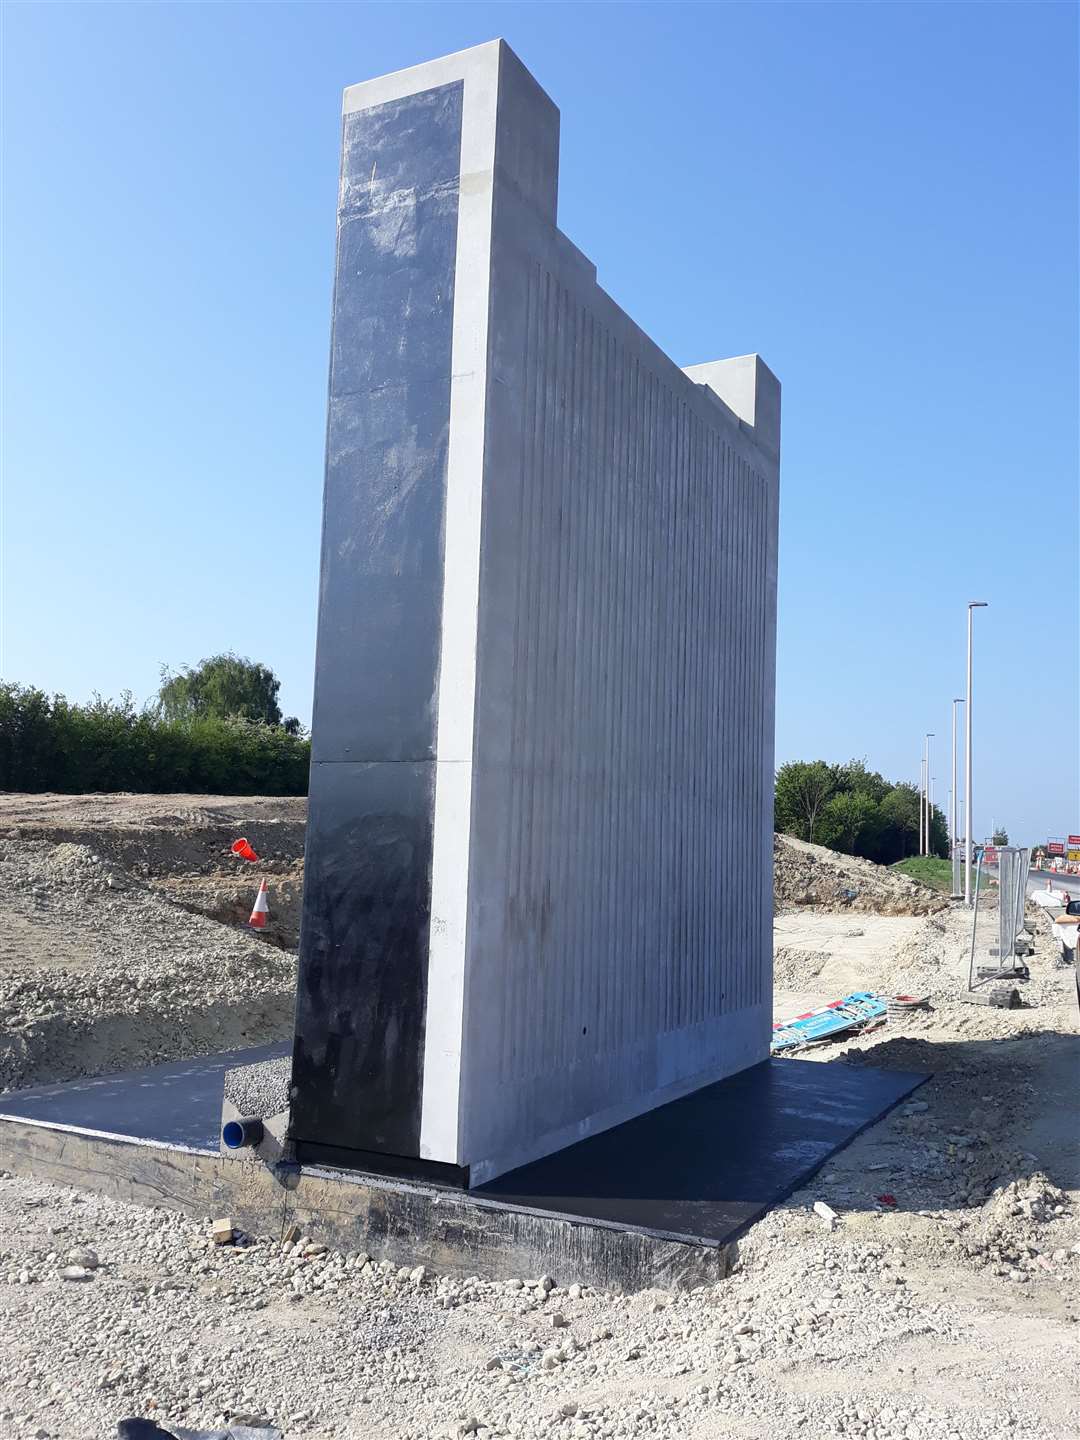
x,y
238,1134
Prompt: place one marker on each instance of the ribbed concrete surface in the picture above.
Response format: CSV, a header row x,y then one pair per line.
x,y
620,910
570,925
640,668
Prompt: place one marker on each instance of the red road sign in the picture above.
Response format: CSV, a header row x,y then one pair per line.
x,y
1055,847
990,855
1074,839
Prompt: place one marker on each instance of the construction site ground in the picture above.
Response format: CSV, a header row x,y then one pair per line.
x,y
942,1303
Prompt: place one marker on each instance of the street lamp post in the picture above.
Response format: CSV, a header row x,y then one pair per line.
x,y
922,807
926,772
973,605
954,806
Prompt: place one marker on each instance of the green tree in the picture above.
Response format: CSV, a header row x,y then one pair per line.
x,y
802,789
47,743
849,820
899,815
28,742
223,687
854,776
854,809
1001,836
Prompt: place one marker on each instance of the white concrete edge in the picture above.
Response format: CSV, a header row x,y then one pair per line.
x,y
456,694
735,381
744,1024
429,75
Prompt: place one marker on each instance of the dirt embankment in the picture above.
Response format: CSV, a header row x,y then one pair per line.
x,y
179,845
122,930
809,875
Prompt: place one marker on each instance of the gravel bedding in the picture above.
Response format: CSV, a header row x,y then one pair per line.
x,y
99,973
942,1304
261,1089
816,1333
795,968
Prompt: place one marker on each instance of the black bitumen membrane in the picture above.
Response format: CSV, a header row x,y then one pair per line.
x,y
704,1167
174,1104
699,1169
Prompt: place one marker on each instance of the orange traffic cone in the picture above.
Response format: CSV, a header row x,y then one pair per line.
x,y
244,850
262,907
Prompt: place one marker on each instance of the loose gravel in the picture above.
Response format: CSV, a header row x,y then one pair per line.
x,y
259,1090
110,1311
100,973
941,1304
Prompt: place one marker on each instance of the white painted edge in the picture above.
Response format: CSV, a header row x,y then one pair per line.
x,y
440,1125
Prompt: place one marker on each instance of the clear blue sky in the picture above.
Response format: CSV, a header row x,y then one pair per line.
x,y
880,199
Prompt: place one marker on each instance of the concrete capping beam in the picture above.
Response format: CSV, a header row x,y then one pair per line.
x,y
749,388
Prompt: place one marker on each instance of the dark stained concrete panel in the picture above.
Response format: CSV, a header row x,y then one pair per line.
x,y
381,578
363,951
363,947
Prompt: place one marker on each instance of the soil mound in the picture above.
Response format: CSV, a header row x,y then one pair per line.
x,y
805,875
99,972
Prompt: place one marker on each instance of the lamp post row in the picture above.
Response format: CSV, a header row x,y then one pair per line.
x,y
926,800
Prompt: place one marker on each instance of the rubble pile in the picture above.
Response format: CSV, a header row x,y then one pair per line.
x,y
810,875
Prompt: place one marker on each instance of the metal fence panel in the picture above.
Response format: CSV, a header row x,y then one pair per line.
x,y
1006,903
1014,864
1023,869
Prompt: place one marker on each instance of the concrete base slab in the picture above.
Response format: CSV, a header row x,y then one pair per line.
x,y
655,1201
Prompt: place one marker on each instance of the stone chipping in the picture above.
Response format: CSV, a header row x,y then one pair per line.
x,y
863,1330
259,1090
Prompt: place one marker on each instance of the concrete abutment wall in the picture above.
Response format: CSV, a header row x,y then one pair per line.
x,y
541,813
